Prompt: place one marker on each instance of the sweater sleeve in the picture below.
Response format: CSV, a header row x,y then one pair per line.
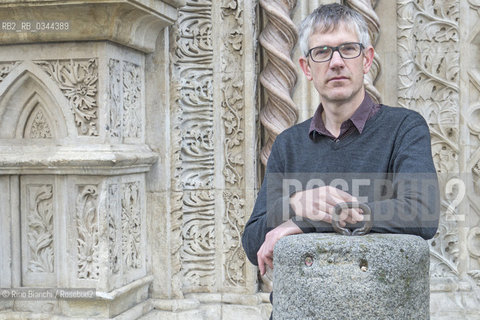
x,y
271,209
414,205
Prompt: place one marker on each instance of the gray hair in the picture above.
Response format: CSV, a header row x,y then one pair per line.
x,y
327,18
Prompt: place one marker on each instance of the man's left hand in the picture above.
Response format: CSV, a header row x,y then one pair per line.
x,y
265,253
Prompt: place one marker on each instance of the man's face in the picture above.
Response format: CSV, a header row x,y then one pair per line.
x,y
338,80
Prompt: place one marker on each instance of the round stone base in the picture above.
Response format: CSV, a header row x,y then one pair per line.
x,y
329,276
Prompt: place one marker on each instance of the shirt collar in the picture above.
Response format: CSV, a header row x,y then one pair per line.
x,y
358,118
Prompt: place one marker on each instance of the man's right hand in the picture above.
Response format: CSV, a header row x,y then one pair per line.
x,y
318,205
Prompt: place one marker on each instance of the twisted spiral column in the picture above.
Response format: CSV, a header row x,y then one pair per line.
x,y
366,9
278,76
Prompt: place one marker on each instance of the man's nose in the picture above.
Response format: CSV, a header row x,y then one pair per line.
x,y
337,60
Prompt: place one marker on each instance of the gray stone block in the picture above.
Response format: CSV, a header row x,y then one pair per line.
x,y
329,276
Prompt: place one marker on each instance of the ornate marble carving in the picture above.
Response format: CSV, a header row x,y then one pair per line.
x,y
78,80
40,230
37,126
192,72
366,8
198,251
125,96
6,68
132,94
87,225
233,121
444,250
131,226
235,223
279,75
113,227
428,36
115,94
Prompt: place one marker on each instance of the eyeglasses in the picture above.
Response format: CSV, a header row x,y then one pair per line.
x,y
347,50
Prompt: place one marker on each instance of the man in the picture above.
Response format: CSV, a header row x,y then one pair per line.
x,y
348,135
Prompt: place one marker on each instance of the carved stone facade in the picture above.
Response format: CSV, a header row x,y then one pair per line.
x,y
74,163
131,156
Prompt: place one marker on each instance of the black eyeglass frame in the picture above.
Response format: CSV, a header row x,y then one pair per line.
x,y
337,48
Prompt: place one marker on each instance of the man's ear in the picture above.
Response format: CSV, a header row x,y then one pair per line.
x,y
305,67
368,55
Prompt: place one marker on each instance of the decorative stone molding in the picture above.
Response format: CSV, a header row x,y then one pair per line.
x,y
112,160
208,222
279,74
192,56
233,103
132,23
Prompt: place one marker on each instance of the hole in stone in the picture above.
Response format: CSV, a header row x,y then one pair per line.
x,y
363,265
308,261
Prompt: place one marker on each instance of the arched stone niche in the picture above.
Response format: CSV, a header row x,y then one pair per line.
x,y
29,111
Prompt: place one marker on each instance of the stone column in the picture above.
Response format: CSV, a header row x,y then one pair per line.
x,y
73,157
328,276
279,75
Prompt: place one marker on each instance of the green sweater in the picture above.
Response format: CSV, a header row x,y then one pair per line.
x,y
388,166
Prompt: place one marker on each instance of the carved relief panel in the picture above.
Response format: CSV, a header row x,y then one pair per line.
x,y
87,232
233,107
76,230
208,174
125,94
428,46
78,81
107,230
438,53
38,237
193,72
